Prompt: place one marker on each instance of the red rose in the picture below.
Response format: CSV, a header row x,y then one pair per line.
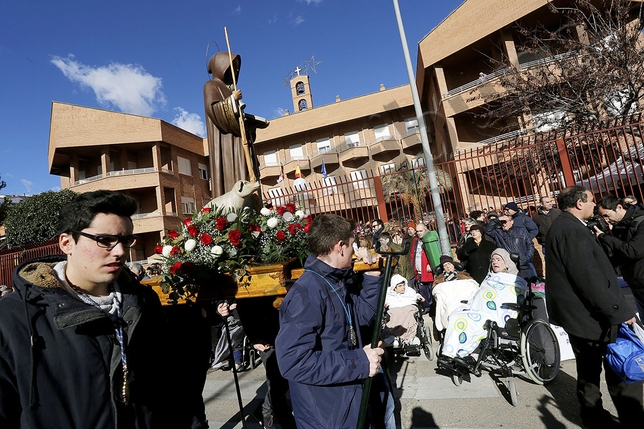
x,y
308,219
176,267
293,228
158,250
280,210
205,239
307,227
254,228
234,237
220,223
280,236
173,234
206,210
187,267
175,251
193,231
187,221
290,207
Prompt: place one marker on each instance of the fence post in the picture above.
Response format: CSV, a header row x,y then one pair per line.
x,y
566,165
380,197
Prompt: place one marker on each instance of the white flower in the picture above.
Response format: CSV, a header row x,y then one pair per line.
x,y
232,252
231,217
190,244
217,250
272,222
166,251
288,216
265,212
299,214
255,234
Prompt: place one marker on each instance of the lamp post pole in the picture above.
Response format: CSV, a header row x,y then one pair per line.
x,y
429,161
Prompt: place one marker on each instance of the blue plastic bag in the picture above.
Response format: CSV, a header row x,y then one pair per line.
x,y
626,355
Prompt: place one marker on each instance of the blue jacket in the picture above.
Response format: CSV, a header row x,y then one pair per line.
x,y
314,351
514,240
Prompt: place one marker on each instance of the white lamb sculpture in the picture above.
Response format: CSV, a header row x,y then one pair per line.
x,y
241,195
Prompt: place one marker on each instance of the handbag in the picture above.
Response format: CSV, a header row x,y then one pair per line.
x,y
626,355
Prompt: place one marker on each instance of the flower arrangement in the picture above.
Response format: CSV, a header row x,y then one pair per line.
x,y
214,242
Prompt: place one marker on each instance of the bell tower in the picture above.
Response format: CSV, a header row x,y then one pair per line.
x,y
301,91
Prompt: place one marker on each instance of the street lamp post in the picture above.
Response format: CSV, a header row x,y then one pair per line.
x,y
429,161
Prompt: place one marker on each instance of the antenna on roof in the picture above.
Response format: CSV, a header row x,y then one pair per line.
x,y
302,69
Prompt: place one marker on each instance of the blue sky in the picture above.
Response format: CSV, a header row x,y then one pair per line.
x,y
149,58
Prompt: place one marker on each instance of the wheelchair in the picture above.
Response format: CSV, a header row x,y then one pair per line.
x,y
423,333
527,347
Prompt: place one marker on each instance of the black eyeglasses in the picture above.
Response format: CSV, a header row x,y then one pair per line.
x,y
110,241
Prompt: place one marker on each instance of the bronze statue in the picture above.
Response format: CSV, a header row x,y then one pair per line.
x,y
223,110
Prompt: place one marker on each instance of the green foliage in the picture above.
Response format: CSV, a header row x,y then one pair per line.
x,y
35,219
4,204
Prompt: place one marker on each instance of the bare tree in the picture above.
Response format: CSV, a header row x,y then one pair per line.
x,y
589,67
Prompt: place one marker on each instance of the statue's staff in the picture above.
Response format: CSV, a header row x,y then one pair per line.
x,y
242,128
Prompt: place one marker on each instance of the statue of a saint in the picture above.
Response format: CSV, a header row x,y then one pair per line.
x,y
223,110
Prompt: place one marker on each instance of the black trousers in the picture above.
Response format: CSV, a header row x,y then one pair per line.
x,y
275,402
626,397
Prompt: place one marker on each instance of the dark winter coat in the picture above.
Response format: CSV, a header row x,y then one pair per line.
x,y
71,376
522,220
543,222
582,291
314,351
476,257
627,247
514,240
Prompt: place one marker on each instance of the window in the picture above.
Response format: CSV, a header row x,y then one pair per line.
x,y
185,167
324,145
357,177
296,151
131,165
330,187
411,125
302,105
277,197
352,139
299,88
188,204
417,162
270,158
203,171
382,132
387,168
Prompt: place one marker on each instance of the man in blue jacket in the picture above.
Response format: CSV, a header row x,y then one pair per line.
x,y
319,348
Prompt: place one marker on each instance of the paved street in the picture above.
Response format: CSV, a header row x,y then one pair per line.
x,y
426,399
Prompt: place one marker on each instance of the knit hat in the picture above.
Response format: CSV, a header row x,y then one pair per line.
x,y
512,206
477,227
411,224
509,263
446,258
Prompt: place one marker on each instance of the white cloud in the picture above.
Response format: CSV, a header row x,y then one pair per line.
x,y
272,20
127,87
279,112
297,21
190,122
237,10
316,2
27,184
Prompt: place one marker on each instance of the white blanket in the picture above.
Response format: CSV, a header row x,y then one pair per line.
x,y
448,297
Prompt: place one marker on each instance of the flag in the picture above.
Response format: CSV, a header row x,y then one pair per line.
x,y
298,173
323,170
281,178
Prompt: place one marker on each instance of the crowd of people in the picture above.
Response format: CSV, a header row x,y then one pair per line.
x,y
84,343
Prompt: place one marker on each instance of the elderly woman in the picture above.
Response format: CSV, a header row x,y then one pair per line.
x,y
475,253
451,287
401,306
466,325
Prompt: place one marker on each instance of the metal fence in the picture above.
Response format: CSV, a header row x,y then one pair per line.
x,y
8,261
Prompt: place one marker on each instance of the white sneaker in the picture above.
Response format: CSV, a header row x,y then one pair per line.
x,y
223,365
415,341
396,343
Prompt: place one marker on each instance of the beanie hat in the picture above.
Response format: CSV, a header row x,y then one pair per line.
x,y
411,224
512,206
509,263
478,227
446,258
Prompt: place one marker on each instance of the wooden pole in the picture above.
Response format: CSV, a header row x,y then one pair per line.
x,y
242,128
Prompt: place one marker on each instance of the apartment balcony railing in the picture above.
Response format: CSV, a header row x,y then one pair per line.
x,y
151,214
495,139
121,173
477,82
542,61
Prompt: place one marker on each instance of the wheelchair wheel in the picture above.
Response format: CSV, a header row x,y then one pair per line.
x,y
511,385
457,378
540,351
427,343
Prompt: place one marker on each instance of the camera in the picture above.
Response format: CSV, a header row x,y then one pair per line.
x,y
599,222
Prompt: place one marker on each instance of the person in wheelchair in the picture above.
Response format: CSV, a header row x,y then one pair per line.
x,y
452,285
467,325
401,304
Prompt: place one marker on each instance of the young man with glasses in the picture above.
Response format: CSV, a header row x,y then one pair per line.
x,y
626,242
83,342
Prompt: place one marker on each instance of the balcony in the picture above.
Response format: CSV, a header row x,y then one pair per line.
x,y
411,141
328,156
506,136
353,152
270,169
474,83
291,164
384,145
